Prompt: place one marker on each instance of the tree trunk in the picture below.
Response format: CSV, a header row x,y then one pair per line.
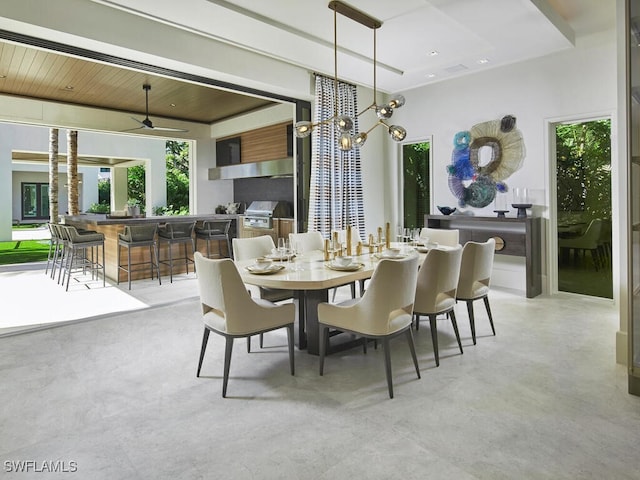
x,y
53,175
72,170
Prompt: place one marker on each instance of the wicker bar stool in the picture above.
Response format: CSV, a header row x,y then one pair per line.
x,y
177,233
214,231
82,253
139,236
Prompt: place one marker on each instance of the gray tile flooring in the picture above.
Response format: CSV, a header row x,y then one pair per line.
x,y
544,399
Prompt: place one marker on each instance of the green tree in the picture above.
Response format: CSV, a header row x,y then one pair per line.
x,y
177,165
177,159
416,183
104,191
136,184
584,168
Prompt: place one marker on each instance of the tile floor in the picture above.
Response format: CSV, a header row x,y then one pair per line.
x,y
117,394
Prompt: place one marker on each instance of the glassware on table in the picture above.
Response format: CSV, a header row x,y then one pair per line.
x,y
281,248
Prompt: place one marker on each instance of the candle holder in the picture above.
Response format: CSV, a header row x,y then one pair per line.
x,y
521,201
500,213
522,209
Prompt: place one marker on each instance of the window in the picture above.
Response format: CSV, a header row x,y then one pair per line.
x,y
416,181
35,201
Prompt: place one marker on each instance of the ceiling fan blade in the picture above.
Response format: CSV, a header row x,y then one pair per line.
x,y
169,129
142,122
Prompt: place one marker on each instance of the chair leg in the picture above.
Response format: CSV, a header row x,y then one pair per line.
x,y
205,339
417,321
387,364
170,245
228,349
248,344
118,265
353,289
472,320
290,334
129,266
452,316
324,338
412,348
486,304
262,340
434,337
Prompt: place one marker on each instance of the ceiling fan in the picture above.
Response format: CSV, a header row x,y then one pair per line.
x,y
147,123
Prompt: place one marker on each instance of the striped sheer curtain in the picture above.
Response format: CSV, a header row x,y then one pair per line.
x,y
336,198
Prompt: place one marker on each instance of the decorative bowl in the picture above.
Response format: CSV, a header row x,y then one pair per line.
x,y
262,263
343,261
446,210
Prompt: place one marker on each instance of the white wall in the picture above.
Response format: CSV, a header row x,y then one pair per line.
x,y
576,83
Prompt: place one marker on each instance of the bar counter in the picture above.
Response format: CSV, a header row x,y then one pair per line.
x,y
112,226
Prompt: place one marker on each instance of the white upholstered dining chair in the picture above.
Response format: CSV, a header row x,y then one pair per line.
x,y
441,236
254,247
475,278
230,311
436,291
383,312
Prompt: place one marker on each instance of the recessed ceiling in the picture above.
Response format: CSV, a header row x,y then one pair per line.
x,y
468,35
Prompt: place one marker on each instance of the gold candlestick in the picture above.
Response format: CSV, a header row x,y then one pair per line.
x,y
348,240
326,249
387,239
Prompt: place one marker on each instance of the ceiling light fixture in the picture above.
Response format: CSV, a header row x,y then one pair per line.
x,y
343,123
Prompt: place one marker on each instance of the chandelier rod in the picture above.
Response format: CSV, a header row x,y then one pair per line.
x,y
354,14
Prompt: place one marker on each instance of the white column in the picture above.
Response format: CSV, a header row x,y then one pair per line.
x,y
6,189
118,188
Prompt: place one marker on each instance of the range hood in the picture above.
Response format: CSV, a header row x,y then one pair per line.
x,y
282,167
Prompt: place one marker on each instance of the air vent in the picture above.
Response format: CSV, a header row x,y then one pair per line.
x,y
456,68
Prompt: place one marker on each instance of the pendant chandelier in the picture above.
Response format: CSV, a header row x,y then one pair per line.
x,y
343,123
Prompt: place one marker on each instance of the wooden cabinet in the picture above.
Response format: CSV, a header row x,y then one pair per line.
x,y
519,237
282,227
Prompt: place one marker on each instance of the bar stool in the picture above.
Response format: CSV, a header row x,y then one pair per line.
x,y
82,253
139,236
214,230
177,233
56,246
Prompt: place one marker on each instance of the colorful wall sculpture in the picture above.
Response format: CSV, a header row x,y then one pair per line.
x,y
476,185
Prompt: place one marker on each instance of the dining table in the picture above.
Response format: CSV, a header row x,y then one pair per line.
x,y
310,277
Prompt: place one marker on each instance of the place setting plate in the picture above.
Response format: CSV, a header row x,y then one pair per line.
x,y
279,258
273,268
391,255
352,267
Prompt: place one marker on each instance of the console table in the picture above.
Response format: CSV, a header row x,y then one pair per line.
x,y
519,237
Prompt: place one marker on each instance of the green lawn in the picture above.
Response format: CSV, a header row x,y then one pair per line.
x,y
23,251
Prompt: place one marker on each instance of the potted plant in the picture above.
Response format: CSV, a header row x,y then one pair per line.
x,y
133,207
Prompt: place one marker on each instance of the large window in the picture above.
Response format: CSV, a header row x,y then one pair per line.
x,y
35,201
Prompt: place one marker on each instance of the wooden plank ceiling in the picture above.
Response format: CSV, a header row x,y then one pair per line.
x,y
39,74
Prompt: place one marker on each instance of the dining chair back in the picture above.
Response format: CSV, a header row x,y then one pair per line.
x,y
254,247
436,291
307,242
383,312
475,278
229,310
590,240
441,236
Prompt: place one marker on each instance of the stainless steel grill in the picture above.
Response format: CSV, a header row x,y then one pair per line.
x,y
260,214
